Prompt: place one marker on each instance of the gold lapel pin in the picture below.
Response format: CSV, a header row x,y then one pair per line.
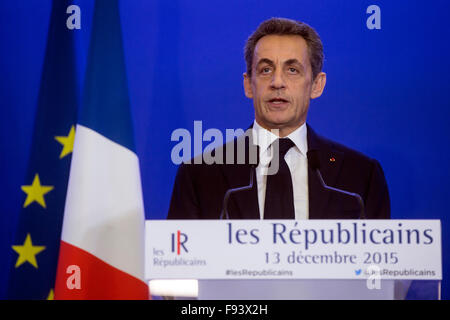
x,y
332,159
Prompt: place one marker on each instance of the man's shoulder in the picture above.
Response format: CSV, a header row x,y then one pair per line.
x,y
350,154
348,151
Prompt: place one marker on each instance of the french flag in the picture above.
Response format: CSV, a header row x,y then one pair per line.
x,y
102,242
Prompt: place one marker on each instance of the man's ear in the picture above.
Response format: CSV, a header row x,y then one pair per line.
x,y
318,85
248,86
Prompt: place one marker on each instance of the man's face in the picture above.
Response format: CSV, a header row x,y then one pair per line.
x,y
281,84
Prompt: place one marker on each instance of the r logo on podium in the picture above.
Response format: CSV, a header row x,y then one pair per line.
x,y
178,241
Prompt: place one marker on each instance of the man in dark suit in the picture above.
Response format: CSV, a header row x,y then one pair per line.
x,y
284,71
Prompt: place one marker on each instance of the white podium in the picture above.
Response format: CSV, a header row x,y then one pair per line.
x,y
298,260
301,290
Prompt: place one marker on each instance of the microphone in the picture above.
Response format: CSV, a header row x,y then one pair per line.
x,y
314,164
224,212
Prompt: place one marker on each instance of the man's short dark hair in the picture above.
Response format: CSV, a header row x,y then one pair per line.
x,y
282,26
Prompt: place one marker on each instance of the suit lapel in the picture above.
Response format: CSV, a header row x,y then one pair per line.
x,y
330,162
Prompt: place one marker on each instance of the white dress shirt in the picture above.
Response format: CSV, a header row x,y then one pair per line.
x,y
296,160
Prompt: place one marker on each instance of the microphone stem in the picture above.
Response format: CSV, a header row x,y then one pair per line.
x,y
362,214
230,191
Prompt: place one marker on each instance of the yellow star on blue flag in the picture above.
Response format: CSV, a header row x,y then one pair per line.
x,y
36,192
67,142
27,252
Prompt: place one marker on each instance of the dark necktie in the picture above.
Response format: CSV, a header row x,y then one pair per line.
x,y
279,203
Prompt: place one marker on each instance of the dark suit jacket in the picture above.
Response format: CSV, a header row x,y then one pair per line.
x,y
199,188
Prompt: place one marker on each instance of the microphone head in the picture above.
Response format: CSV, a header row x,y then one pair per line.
x,y
313,159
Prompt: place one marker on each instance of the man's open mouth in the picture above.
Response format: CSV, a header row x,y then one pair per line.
x,y
277,101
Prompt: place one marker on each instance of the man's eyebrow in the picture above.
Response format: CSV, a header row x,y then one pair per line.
x,y
291,62
266,61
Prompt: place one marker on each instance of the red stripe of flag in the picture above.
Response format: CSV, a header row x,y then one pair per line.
x,y
178,241
99,280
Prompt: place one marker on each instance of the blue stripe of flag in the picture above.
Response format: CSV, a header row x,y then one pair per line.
x,y
106,106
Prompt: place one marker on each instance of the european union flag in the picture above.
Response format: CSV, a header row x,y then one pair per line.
x,y
36,245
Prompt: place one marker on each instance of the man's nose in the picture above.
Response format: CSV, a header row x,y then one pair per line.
x,y
278,81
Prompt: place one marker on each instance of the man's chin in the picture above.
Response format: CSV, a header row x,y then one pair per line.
x,y
276,124
280,123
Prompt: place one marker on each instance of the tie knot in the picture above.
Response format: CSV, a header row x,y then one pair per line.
x,y
284,144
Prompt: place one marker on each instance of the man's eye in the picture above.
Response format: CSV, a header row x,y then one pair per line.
x,y
265,70
293,70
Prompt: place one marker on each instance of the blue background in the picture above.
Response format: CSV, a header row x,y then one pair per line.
x,y
386,94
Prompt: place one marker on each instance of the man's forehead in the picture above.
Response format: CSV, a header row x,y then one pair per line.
x,y
281,47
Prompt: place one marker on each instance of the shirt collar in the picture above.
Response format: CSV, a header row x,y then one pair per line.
x,y
264,138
